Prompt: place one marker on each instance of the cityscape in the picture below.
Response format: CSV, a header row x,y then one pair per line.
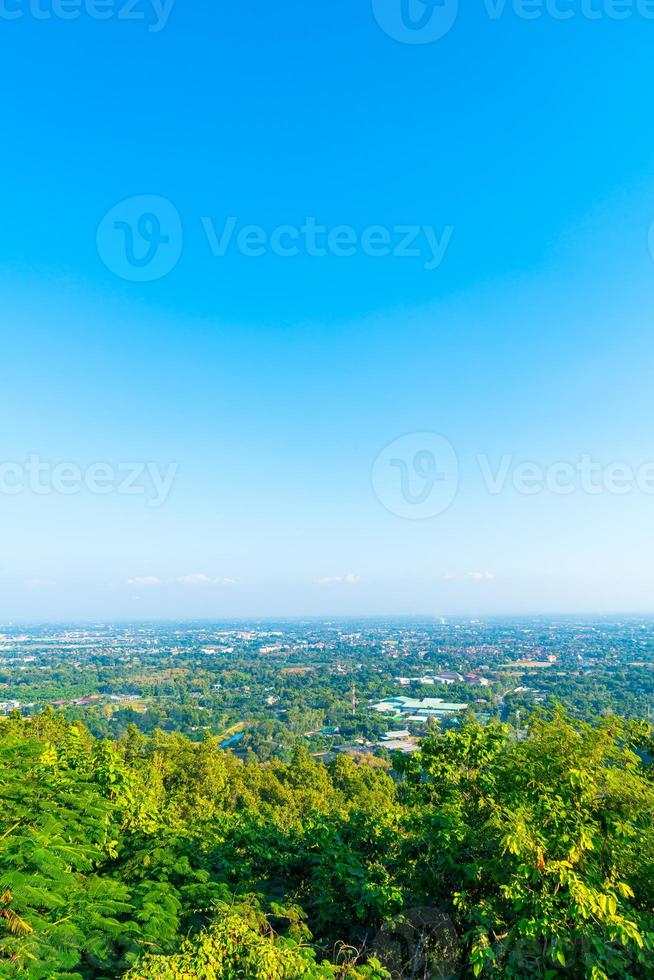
x,y
365,688
326,486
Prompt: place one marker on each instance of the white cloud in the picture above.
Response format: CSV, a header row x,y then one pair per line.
x,y
39,583
349,579
198,578
469,577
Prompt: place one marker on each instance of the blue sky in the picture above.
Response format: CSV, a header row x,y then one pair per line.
x,y
269,385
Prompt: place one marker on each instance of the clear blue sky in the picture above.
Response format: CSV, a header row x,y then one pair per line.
x,y
274,382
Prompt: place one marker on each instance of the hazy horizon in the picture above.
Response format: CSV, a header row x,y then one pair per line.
x,y
582,617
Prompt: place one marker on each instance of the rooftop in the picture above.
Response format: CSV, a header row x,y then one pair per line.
x,y
401,704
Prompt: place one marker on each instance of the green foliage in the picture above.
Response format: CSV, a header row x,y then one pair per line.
x,y
545,845
57,830
159,857
242,944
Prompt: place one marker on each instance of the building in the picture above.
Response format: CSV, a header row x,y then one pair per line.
x,y
448,677
400,745
417,709
476,681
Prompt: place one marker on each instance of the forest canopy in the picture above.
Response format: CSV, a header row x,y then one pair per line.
x,y
486,853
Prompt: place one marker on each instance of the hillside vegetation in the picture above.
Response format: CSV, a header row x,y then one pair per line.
x,y
483,855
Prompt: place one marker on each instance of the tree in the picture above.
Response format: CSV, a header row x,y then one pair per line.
x,y
544,846
241,943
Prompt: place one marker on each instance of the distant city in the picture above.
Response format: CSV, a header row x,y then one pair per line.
x,y
365,689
